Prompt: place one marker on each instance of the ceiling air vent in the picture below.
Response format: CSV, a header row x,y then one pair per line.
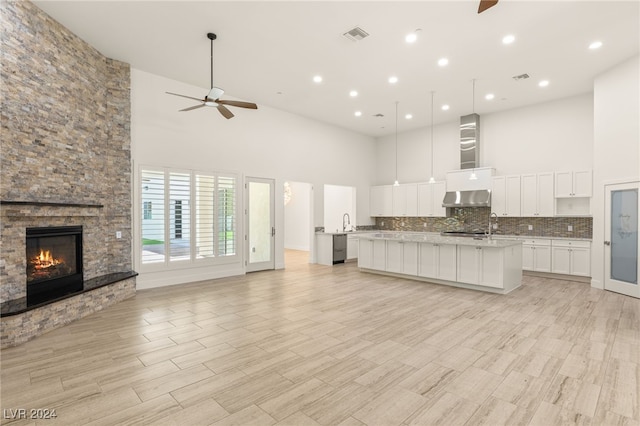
x,y
356,34
378,115
520,77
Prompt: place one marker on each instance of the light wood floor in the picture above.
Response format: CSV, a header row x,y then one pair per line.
x,y
330,345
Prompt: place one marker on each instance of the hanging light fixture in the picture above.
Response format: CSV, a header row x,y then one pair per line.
x,y
473,110
396,183
432,179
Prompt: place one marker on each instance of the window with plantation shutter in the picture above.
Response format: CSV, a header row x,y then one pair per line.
x,y
188,216
153,184
226,216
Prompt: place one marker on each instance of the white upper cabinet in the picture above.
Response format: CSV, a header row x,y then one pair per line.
x,y
537,195
574,184
381,201
405,200
430,196
505,195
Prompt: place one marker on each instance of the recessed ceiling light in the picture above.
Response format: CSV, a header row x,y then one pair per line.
x,y
412,37
543,83
358,113
393,79
317,79
443,62
508,39
489,96
595,45
445,107
353,93
408,116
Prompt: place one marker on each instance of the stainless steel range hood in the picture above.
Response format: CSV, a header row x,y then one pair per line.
x,y
476,198
469,195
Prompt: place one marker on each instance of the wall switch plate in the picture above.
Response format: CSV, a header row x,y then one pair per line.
x,y
570,228
530,227
118,234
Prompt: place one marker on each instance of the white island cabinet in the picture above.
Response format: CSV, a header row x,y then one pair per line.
x,y
488,265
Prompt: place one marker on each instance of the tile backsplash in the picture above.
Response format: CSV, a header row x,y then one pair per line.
x,y
477,219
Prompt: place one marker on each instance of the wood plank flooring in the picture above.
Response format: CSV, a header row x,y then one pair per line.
x,y
320,345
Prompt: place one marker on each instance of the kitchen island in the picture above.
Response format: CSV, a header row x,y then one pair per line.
x,y
480,264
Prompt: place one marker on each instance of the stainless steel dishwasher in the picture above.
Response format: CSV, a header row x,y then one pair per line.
x,y
339,248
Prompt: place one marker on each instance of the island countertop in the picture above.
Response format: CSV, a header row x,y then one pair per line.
x,y
434,238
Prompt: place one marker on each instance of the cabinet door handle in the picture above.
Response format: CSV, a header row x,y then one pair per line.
x,y
607,243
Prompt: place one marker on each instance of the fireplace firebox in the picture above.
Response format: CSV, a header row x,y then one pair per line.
x,y
54,263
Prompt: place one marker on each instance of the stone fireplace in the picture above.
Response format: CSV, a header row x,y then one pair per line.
x,y
66,166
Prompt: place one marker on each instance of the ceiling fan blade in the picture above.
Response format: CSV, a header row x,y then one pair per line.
x,y
486,4
183,96
249,105
193,107
225,111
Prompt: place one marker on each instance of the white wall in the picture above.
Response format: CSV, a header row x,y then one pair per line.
x,y
338,201
616,148
553,136
263,143
297,226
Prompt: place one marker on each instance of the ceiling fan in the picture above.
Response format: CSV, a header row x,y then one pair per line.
x,y
486,4
212,99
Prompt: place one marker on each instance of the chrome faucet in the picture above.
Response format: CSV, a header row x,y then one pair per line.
x,y
491,217
344,226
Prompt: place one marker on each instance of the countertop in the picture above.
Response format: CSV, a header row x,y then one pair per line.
x,y
431,237
496,236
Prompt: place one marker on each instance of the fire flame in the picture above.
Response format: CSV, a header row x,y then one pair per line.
x,y
45,260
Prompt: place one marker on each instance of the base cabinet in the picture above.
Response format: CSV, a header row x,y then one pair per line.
x,y
571,257
352,247
437,261
480,266
536,255
402,257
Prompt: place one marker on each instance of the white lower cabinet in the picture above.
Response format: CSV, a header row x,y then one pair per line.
x,y
352,247
481,266
437,261
571,257
402,257
365,253
372,254
536,255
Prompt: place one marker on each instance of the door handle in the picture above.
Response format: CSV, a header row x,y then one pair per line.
x,y
607,243
273,231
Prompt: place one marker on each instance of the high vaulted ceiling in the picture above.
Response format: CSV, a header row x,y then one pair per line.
x,y
268,52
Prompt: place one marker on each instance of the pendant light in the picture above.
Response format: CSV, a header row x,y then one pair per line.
x,y
432,179
396,183
473,110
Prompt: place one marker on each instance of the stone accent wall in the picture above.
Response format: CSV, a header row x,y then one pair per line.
x,y
65,139
477,218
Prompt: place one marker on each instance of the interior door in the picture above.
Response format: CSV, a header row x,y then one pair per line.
x,y
621,238
261,229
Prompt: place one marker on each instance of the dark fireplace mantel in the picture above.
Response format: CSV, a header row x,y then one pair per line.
x,y
48,204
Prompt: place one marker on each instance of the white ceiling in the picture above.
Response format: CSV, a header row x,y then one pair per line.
x,y
267,52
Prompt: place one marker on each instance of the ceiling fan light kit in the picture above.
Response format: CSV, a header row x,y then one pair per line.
x,y
212,99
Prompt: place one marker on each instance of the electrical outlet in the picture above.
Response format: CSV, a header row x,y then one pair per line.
x,y
118,234
424,225
530,227
381,223
401,223
570,228
495,226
